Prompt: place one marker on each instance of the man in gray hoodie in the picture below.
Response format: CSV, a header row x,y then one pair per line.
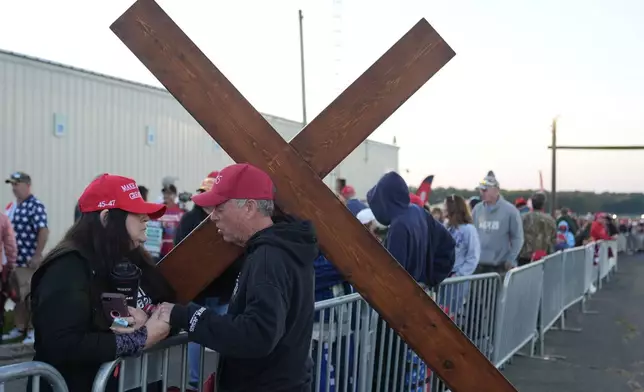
x,y
499,226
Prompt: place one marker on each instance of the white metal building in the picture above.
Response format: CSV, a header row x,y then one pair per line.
x,y
64,126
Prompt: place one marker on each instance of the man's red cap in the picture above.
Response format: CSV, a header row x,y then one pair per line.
x,y
108,192
239,181
415,199
207,182
348,190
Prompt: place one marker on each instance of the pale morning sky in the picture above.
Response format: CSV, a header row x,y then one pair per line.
x,y
518,64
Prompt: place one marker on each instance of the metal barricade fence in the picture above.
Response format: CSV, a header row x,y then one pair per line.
x,y
592,269
564,285
354,350
552,300
604,264
574,285
34,370
150,367
622,242
612,260
341,338
518,311
470,302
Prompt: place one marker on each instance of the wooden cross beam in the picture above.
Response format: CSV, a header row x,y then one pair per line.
x,y
295,169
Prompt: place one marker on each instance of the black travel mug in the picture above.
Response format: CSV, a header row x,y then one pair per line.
x,y
125,278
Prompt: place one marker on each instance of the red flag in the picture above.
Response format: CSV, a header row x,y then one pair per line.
x,y
425,189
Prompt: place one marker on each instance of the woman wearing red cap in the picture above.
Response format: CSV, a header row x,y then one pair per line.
x,y
101,253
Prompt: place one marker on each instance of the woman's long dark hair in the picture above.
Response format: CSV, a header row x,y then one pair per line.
x,y
458,211
104,245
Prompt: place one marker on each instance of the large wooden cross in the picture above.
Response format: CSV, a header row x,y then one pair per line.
x,y
297,169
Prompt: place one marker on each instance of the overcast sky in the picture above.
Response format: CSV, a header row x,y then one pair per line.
x,y
518,64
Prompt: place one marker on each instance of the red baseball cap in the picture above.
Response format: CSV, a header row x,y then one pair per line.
x,y
108,192
207,182
347,190
238,181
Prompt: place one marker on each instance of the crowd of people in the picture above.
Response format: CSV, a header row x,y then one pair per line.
x,y
259,314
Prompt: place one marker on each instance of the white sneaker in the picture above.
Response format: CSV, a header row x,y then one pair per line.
x,y
13,334
593,289
30,339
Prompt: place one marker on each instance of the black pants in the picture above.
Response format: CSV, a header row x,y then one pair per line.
x,y
524,260
484,269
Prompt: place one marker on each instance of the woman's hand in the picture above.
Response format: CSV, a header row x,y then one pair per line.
x,y
137,319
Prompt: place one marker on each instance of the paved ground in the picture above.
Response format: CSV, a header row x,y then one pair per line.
x,y
608,355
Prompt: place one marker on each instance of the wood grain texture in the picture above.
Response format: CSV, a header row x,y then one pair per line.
x,y
197,260
246,136
372,98
325,142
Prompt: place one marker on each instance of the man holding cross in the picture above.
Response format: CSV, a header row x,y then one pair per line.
x,y
264,339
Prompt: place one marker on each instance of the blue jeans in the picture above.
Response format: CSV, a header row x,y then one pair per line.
x,y
194,352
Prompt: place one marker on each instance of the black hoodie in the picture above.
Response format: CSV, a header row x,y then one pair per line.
x,y
264,339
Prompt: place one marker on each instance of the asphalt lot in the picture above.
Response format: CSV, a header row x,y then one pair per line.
x,y
607,355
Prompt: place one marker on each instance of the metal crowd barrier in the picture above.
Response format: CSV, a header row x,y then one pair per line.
x,y
341,337
574,284
470,301
152,367
34,370
604,264
552,300
354,350
518,311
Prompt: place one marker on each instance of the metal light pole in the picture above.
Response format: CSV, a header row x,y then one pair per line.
x,y
553,205
301,18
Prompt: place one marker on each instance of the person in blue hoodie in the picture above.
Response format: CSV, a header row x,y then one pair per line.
x,y
565,238
414,237
420,244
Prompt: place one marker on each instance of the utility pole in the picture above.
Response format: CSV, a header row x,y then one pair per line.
x,y
554,147
553,204
301,18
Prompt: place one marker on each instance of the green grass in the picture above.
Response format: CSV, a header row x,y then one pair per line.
x,y
8,322
8,326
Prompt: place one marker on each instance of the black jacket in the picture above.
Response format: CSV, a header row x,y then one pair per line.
x,y
222,287
264,339
72,334
189,221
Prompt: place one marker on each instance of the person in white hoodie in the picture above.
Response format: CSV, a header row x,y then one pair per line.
x,y
499,226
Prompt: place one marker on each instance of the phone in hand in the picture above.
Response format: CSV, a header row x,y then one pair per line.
x,y
114,305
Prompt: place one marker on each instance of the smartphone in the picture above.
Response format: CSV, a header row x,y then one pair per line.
x,y
114,305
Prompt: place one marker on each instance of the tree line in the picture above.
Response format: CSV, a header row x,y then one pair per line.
x,y
578,201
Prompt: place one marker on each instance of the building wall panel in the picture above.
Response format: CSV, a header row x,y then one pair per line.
x,y
105,123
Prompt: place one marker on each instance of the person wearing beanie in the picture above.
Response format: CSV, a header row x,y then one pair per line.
x,y
499,226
